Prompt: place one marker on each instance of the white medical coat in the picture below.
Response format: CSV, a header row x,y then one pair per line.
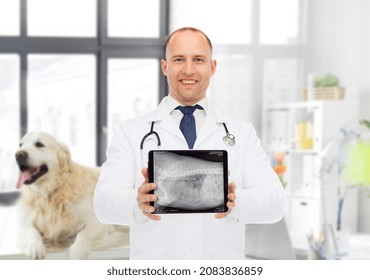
x,y
260,196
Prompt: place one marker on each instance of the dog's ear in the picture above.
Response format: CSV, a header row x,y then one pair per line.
x,y
64,156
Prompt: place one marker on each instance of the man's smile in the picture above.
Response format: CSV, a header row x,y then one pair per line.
x,y
188,82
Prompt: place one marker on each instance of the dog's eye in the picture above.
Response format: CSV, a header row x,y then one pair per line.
x,y
20,145
39,145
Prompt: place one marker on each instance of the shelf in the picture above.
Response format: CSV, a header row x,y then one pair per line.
x,y
303,152
301,196
295,151
305,187
307,104
285,106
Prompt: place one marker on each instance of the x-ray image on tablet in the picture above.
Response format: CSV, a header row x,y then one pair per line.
x,y
189,181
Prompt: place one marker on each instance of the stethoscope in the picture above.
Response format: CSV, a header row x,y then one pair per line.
x,y
229,138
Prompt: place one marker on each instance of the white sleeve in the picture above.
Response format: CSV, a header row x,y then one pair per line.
x,y
261,197
115,194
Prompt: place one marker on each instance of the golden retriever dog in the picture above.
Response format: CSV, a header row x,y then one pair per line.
x,y
56,204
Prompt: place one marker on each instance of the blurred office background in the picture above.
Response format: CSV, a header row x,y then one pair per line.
x,y
75,68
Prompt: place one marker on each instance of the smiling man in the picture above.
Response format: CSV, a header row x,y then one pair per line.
x,y
188,65
186,119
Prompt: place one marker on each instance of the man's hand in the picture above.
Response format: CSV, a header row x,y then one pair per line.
x,y
144,197
230,203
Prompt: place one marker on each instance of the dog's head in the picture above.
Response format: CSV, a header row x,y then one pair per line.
x,y
38,155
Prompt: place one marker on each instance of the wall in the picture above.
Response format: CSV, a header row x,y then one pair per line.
x,y
364,200
335,45
365,58
339,45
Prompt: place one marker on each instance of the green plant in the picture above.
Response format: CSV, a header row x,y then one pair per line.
x,y
327,80
365,123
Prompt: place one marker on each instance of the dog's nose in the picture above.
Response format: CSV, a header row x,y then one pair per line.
x,y
21,157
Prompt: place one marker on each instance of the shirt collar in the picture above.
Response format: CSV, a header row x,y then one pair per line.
x,y
167,106
172,103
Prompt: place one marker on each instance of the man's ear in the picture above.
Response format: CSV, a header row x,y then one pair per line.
x,y
164,66
213,66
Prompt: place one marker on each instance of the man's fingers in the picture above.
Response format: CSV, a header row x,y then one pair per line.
x,y
144,171
146,208
232,187
144,197
146,188
147,198
220,216
230,205
151,216
231,197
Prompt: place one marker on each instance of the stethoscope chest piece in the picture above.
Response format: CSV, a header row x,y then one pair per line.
x,y
229,139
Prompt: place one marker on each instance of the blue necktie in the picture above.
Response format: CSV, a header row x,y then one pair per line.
x,y
187,124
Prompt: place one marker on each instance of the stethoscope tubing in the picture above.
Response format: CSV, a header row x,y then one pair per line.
x,y
148,134
229,138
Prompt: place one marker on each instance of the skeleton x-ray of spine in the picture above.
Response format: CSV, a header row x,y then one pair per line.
x,y
188,183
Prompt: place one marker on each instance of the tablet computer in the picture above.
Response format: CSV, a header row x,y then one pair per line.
x,y
189,181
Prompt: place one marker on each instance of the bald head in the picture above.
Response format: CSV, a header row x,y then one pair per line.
x,y
187,29
188,65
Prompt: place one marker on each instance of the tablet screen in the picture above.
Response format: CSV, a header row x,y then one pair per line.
x,y
189,181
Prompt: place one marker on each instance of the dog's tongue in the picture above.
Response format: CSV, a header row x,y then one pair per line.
x,y
24,176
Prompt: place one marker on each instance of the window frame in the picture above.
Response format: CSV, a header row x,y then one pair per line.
x,y
104,48
259,52
100,46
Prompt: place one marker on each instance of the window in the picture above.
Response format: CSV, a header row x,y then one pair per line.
x,y
282,79
66,18
9,119
61,101
233,78
225,22
94,44
139,18
54,71
9,17
128,99
280,22
259,46
231,82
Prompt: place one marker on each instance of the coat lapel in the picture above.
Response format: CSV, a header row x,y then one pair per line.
x,y
162,118
212,123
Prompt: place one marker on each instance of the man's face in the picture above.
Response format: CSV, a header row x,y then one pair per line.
x,y
188,66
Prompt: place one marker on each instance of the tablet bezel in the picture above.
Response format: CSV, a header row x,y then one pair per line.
x,y
174,210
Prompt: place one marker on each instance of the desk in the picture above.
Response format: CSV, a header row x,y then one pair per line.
x,y
10,251
359,247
